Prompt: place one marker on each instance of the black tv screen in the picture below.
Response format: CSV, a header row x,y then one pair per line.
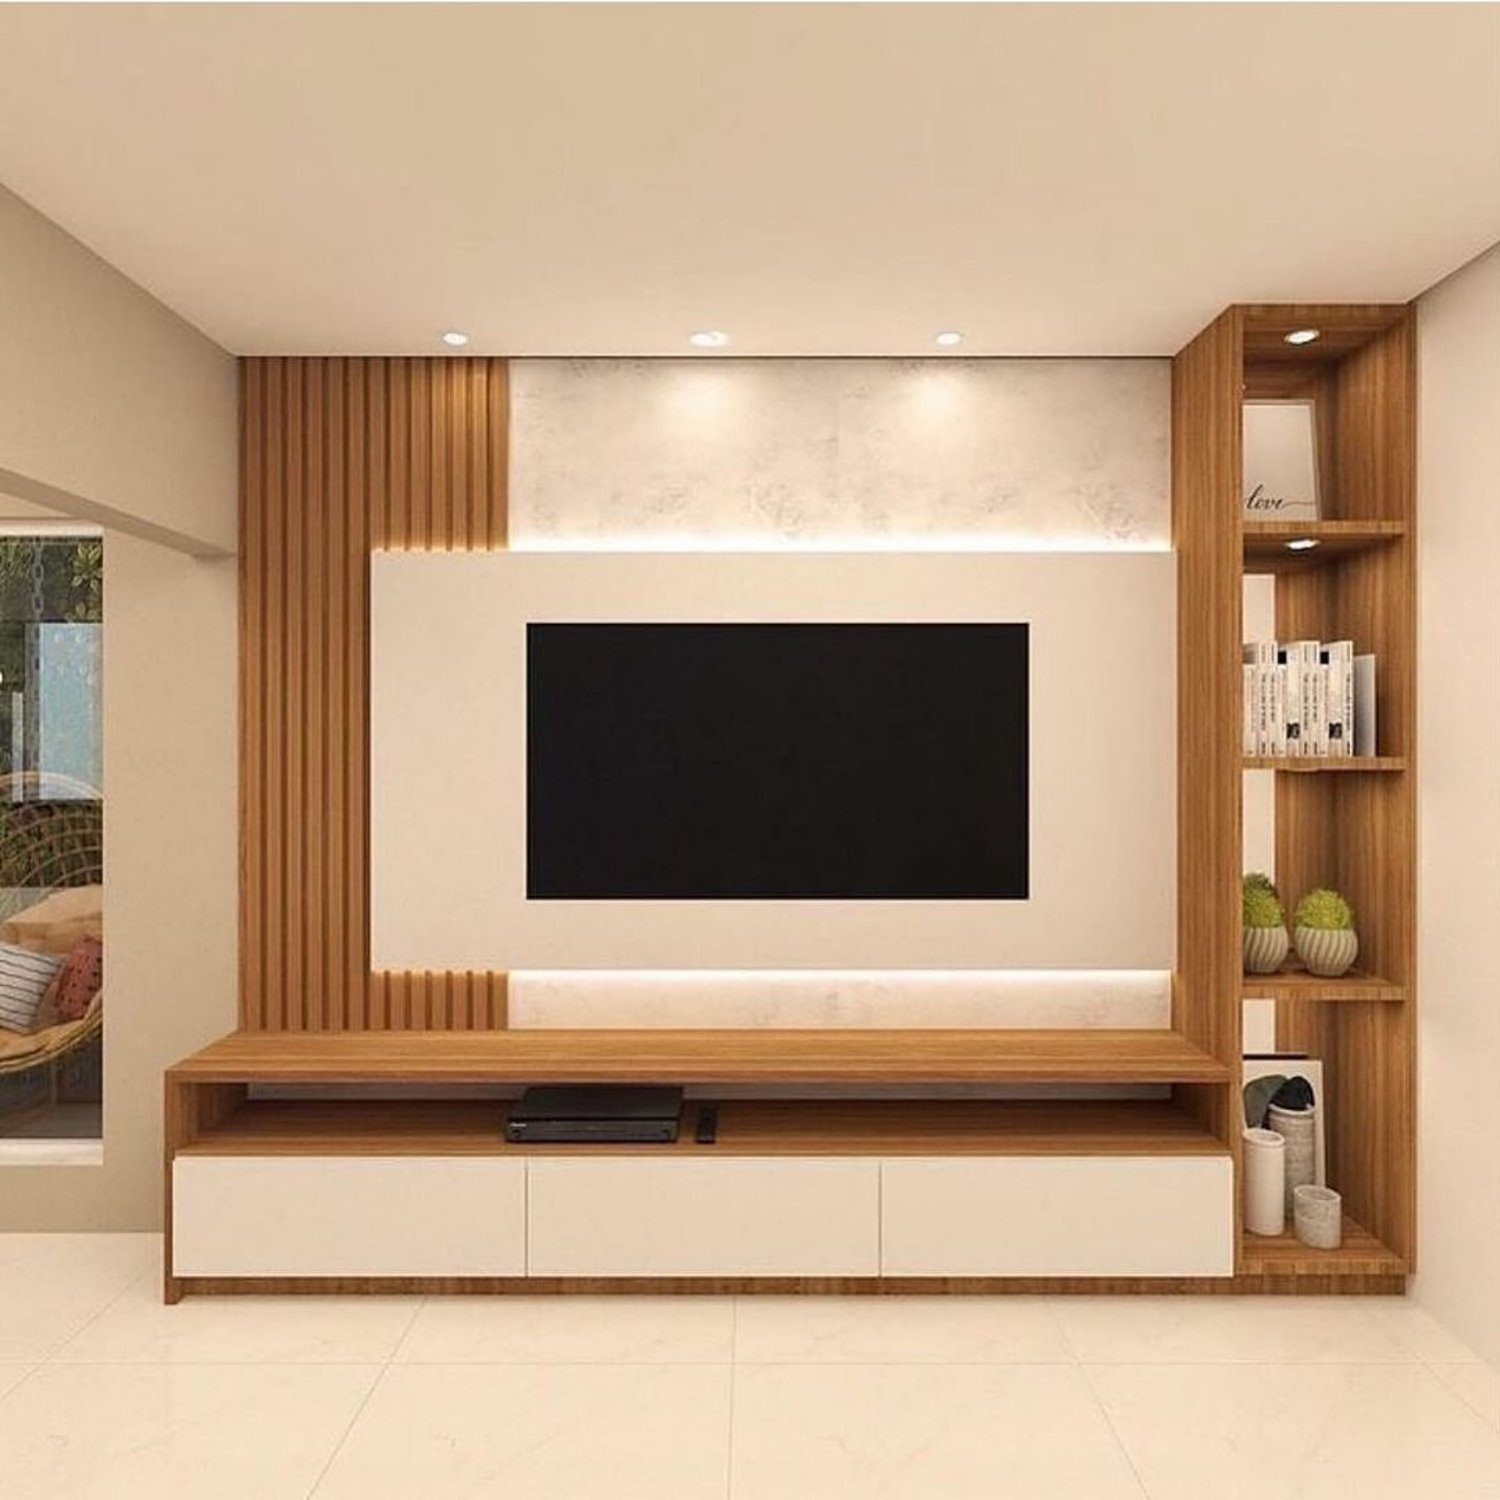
x,y
776,762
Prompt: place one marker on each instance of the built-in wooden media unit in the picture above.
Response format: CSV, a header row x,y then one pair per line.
x,y
271,1186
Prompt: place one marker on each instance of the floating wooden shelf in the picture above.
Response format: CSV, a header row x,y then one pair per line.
x,y
1298,984
884,1057
1312,765
473,1127
1361,1254
1266,543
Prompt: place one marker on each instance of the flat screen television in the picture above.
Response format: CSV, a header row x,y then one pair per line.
x,y
786,762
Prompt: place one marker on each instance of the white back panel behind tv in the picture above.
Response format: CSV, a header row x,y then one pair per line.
x,y
448,760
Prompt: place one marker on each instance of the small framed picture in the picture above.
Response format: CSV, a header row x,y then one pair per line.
x,y
1281,461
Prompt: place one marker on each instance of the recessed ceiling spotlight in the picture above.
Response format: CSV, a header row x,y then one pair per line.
x,y
948,339
708,338
1302,544
454,339
1301,335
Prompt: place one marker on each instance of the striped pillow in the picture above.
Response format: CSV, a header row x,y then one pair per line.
x,y
24,977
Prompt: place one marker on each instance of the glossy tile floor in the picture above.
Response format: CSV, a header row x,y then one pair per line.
x,y
104,1392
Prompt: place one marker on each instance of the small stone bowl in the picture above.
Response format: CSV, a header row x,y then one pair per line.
x,y
1318,1216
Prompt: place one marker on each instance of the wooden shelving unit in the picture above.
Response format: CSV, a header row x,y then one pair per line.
x,y
1349,824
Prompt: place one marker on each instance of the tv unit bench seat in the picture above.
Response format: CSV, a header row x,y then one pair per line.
x,y
364,1162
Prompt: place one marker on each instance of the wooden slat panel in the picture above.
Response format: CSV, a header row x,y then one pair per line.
x,y
339,456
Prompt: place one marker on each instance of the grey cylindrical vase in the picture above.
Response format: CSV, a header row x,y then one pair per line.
x,y
1328,952
1299,1128
1265,949
1318,1217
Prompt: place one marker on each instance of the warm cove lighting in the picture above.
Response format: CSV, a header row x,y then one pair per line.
x,y
739,542
1301,335
1044,978
454,339
708,338
948,339
1302,544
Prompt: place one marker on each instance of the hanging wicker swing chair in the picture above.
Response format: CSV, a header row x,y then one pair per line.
x,y
51,894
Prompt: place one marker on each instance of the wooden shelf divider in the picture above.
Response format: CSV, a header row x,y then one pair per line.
x,y
759,1127
690,1057
1313,765
1361,1254
1298,984
1266,550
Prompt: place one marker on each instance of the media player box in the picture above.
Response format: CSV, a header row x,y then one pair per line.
x,y
602,1114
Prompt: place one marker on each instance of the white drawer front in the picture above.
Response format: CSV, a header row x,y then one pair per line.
x,y
1057,1216
348,1216
734,1216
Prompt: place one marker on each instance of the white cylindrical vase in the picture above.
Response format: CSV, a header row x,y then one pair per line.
x,y
1299,1128
1318,1216
1265,1182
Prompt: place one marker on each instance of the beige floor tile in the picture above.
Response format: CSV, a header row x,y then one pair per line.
x,y
52,1284
140,1329
1228,1330
1302,1432
1417,1332
914,1432
897,1330
538,1432
584,1330
1476,1385
159,1432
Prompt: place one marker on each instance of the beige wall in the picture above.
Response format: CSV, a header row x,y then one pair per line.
x,y
114,410
1459,893
111,407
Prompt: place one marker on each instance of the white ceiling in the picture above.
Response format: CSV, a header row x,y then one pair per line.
x,y
565,179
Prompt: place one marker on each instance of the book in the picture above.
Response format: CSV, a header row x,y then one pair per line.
x,y
1338,659
1292,695
1303,661
1260,657
1363,679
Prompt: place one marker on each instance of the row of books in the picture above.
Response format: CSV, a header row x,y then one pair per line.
x,y
1308,698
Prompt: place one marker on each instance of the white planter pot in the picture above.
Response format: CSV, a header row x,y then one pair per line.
x,y
1328,952
1265,949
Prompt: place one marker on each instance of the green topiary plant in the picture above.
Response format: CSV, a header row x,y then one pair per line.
x,y
1325,911
1259,902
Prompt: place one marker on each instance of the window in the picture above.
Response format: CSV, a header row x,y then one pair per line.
x,y
51,838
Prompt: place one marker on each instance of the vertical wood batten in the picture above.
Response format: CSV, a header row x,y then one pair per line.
x,y
339,456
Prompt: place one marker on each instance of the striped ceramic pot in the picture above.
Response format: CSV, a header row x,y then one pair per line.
x,y
1328,952
1265,949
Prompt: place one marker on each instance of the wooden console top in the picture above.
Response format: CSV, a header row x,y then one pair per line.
x,y
824,1057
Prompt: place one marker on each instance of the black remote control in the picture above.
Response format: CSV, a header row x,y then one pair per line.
x,y
707,1131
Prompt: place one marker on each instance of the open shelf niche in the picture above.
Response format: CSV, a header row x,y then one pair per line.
x,y
1353,831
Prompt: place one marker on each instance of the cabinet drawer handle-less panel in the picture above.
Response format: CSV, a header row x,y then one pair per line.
x,y
1058,1216
743,1216
348,1216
